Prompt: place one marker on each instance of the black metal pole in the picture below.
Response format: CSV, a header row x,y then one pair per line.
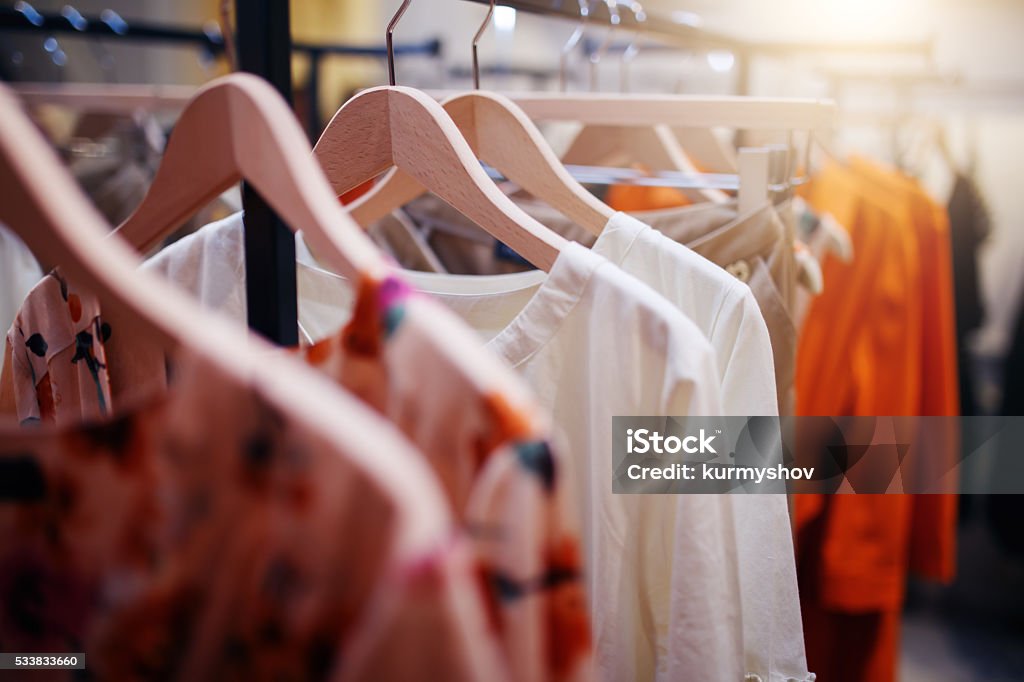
x,y
313,126
263,37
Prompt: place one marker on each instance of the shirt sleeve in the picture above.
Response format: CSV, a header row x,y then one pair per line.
x,y
744,355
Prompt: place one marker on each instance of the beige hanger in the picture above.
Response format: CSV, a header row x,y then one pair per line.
x,y
61,227
653,147
703,146
501,135
238,127
687,111
754,166
114,98
45,207
400,127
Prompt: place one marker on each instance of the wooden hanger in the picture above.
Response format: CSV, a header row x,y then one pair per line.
x,y
238,127
115,98
45,207
652,148
401,127
754,165
501,135
708,151
654,113
687,111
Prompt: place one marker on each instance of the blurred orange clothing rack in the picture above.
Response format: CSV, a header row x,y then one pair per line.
x,y
879,341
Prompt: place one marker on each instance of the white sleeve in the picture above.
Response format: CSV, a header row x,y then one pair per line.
x,y
209,264
19,272
747,367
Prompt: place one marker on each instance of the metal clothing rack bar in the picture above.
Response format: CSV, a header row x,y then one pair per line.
x,y
24,18
318,52
686,29
111,25
264,48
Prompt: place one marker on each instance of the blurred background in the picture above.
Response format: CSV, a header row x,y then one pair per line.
x,y
935,87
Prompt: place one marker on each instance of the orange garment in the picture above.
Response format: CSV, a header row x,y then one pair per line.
x,y
357,191
933,548
874,343
628,198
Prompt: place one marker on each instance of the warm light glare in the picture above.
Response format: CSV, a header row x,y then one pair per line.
x,y
504,19
868,19
686,18
721,60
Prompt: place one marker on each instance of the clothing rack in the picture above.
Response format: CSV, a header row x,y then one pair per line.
x,y
685,29
110,26
264,48
263,37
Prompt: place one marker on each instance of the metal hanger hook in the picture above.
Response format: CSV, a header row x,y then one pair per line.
x,y
633,49
388,40
476,42
595,58
571,44
224,18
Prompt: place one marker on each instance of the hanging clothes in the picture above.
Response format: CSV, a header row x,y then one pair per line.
x,y
1004,511
541,324
636,198
477,426
933,538
969,228
648,623
209,533
485,441
54,359
727,313
19,272
861,353
755,249
772,642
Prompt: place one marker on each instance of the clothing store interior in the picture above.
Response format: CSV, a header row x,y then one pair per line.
x,y
241,242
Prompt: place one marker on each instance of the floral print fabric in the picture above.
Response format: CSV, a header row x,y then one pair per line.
x,y
56,351
473,421
410,359
211,534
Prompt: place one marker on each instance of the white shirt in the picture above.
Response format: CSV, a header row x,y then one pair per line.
x,y
19,272
725,310
594,343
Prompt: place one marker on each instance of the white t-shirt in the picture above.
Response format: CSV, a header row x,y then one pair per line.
x,y
19,272
594,343
721,306
725,310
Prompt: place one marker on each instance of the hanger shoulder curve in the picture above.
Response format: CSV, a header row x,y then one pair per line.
x,y
60,225
501,135
688,111
238,127
422,140
652,147
70,233
504,136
